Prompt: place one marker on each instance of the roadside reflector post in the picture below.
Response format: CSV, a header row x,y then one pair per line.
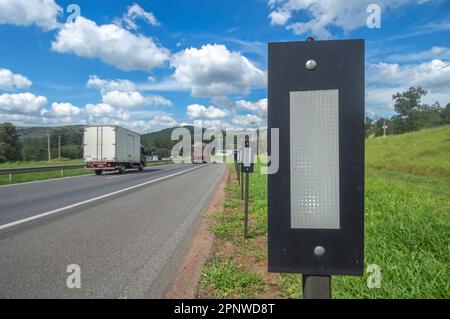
x,y
247,168
316,287
242,184
236,167
240,160
316,198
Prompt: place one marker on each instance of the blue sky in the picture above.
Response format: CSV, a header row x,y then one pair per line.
x,y
153,64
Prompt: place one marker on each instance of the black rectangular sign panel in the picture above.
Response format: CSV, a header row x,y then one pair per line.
x,y
247,157
247,169
316,199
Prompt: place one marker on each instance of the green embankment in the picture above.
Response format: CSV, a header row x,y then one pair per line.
x,y
407,228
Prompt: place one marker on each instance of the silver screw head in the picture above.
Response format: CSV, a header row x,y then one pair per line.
x,y
319,251
311,65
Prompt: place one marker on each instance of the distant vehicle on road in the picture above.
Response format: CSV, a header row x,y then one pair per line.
x,y
112,148
157,157
198,155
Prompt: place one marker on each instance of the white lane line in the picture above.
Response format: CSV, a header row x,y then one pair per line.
x,y
115,176
25,220
46,180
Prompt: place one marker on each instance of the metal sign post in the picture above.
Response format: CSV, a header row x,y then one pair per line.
x,y
242,184
246,206
236,167
240,160
316,198
247,168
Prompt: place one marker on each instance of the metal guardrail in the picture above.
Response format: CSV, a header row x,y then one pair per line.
x,y
61,168
17,170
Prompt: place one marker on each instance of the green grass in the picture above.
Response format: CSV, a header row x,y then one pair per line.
x,y
407,234
229,279
407,221
424,153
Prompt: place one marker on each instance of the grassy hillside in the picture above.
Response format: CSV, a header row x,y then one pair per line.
x,y
407,228
425,153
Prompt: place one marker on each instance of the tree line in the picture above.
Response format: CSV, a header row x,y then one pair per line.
x,y
31,143
411,115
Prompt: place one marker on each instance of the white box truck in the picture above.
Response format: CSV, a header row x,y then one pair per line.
x,y
112,148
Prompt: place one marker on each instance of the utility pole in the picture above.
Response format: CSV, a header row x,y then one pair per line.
x,y
48,147
23,147
59,148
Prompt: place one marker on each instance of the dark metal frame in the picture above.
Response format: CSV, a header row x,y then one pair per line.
x,y
340,65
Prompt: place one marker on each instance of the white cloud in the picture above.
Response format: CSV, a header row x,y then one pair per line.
x,y
132,99
158,100
105,112
259,107
42,13
217,125
140,121
379,100
155,123
248,121
433,53
160,122
111,44
432,75
124,99
136,12
62,110
21,103
279,17
168,84
195,111
11,81
213,70
110,85
345,14
386,79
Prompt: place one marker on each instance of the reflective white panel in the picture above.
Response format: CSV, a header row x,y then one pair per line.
x,y
247,156
314,142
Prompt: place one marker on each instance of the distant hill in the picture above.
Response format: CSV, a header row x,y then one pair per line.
x,y
36,131
72,138
160,142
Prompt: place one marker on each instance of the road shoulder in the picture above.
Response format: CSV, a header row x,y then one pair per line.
x,y
185,284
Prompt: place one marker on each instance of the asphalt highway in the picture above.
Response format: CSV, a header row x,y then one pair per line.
x,y
126,233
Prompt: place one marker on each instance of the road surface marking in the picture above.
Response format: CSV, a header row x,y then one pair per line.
x,y
25,220
115,176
